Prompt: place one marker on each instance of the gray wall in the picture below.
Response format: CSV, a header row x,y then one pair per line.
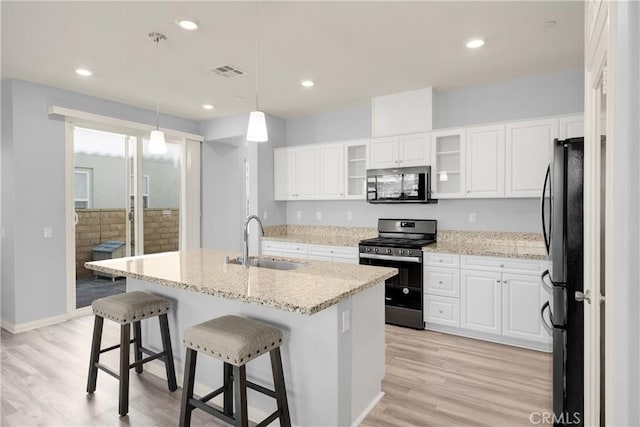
x,y
223,179
542,95
35,189
548,94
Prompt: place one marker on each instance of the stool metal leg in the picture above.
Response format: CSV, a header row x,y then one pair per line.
x,y
123,403
95,354
187,388
240,388
137,343
280,389
166,345
228,389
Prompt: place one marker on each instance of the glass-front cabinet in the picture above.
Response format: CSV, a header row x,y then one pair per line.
x,y
356,169
447,168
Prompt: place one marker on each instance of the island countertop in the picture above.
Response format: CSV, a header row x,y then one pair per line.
x,y
307,290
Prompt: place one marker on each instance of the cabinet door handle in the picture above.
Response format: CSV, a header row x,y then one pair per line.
x,y
441,260
505,282
501,265
497,280
440,311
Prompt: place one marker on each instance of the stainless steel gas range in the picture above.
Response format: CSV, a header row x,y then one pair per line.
x,y
399,245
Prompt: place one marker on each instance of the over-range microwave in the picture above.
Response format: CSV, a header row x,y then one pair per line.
x,y
399,185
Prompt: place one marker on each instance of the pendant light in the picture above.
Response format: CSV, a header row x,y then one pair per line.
x,y
157,144
257,130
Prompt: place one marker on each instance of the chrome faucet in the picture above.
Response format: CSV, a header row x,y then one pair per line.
x,y
245,248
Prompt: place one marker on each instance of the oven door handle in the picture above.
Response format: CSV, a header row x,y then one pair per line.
x,y
417,260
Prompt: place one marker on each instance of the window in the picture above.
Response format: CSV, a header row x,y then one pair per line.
x,y
145,190
83,178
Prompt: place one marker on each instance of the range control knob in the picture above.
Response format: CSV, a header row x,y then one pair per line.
x,y
375,249
410,253
389,251
401,251
368,249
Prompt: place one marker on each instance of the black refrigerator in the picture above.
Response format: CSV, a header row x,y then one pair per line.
x,y
562,224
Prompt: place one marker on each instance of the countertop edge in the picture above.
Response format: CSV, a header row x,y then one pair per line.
x,y
243,298
482,252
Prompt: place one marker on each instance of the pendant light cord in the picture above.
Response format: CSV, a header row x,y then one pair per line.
x,y
157,40
257,46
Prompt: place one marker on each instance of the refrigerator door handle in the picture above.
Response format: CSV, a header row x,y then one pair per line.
x,y
545,325
545,233
545,285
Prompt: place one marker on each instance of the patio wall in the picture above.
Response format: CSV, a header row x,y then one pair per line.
x,y
98,225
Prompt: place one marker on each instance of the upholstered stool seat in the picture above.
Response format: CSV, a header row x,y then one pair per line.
x,y
235,341
126,309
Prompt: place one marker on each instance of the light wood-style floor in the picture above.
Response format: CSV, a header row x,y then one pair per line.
x,y
432,379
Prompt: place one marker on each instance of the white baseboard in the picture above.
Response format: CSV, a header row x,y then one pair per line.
x,y
368,409
546,347
27,326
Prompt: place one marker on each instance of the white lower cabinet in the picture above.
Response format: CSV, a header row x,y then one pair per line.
x,y
522,297
481,301
491,298
346,254
442,310
309,251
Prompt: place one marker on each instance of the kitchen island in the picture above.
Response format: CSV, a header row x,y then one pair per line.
x,y
331,315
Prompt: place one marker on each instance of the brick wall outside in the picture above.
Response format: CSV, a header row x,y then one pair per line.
x,y
96,226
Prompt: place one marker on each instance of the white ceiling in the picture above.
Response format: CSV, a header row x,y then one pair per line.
x,y
353,50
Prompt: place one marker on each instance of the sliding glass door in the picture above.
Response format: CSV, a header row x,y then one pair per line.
x,y
126,202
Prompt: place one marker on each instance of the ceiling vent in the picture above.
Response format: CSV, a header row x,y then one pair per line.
x,y
228,71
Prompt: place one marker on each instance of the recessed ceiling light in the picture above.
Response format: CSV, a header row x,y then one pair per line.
x,y
84,72
207,106
475,43
186,24
307,83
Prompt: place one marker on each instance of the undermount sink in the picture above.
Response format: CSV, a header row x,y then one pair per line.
x,y
268,263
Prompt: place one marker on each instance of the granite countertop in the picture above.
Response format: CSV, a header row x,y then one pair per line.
x,y
307,290
497,244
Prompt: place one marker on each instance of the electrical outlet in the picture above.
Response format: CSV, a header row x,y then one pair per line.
x,y
349,215
298,214
265,215
346,321
48,232
472,217
318,215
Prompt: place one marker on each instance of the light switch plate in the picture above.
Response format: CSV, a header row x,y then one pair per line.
x,y
472,217
349,215
48,232
318,215
266,215
298,214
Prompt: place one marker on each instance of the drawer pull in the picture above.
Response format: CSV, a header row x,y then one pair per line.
x,y
441,260
440,311
440,282
505,282
497,280
501,265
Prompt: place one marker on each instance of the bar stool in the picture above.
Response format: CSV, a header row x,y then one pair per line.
x,y
127,308
234,340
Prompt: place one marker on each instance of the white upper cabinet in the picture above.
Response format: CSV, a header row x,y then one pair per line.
x,y
400,151
296,173
485,161
284,170
413,150
571,127
355,153
384,152
307,182
448,164
402,113
332,171
528,153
